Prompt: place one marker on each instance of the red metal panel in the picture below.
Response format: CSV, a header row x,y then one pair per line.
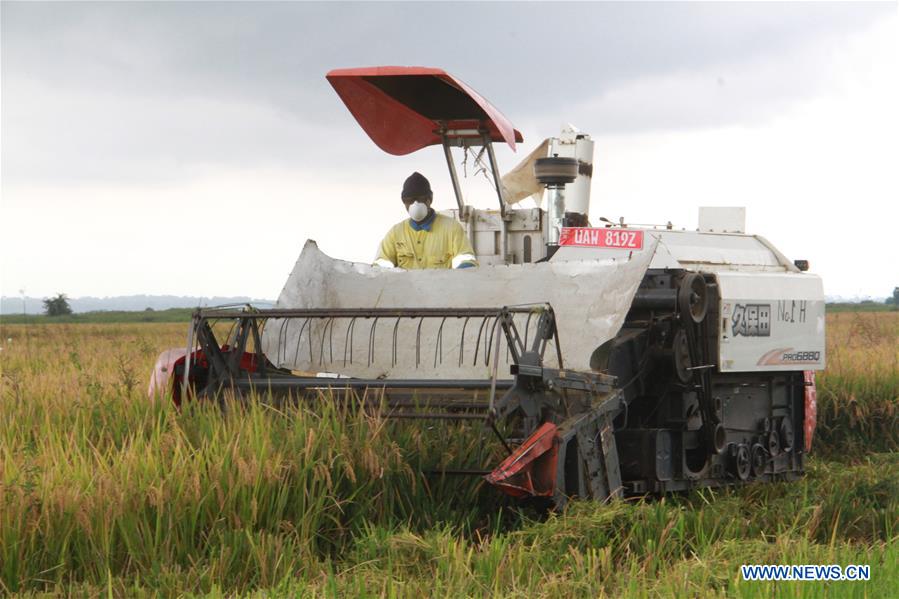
x,y
531,469
396,127
163,378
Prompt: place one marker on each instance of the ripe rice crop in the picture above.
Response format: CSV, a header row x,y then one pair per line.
x,y
858,394
105,492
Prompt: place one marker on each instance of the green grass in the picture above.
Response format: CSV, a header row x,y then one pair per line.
x,y
866,306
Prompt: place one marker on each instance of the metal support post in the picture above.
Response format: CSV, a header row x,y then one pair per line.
x,y
447,152
497,181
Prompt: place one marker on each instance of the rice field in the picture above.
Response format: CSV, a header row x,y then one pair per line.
x,y
103,492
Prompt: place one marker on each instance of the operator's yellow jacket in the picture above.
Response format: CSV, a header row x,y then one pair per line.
x,y
437,242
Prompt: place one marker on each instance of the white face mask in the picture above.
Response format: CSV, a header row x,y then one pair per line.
x,y
418,211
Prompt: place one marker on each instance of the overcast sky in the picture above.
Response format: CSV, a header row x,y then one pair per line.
x,y
192,148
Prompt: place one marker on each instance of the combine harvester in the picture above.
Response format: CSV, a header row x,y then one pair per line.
x,y
607,361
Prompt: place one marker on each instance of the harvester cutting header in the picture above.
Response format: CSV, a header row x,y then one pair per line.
x,y
606,360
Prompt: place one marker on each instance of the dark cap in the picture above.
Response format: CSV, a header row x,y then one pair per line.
x,y
416,185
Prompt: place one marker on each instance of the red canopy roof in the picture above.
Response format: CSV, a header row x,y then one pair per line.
x,y
403,108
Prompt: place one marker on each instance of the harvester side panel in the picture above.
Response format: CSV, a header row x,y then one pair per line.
x,y
771,321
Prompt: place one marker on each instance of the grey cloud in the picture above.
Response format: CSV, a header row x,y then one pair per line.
x,y
275,51
149,92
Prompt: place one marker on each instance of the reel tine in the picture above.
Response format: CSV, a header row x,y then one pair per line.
x,y
371,341
352,338
282,340
477,343
331,343
438,346
396,326
368,347
311,358
278,342
346,341
373,327
462,341
279,339
488,344
421,320
321,348
296,354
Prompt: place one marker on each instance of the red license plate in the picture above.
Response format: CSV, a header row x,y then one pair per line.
x,y
602,238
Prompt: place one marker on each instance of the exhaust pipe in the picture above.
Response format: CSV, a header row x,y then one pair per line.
x,y
555,172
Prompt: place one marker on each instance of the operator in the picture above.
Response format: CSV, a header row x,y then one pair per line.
x,y
426,239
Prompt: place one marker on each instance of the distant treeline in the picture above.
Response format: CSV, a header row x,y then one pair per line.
x,y
183,314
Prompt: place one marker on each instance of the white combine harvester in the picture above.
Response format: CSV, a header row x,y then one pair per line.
x,y
607,360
